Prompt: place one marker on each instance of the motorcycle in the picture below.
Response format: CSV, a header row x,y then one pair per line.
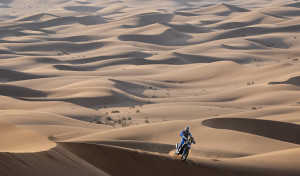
x,y
185,148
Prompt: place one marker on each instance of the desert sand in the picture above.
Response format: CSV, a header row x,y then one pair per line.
x,y
105,87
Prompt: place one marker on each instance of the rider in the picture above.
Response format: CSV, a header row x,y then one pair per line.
x,y
184,136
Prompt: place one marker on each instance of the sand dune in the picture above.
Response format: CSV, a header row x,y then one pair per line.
x,y
42,16
148,18
247,19
84,20
296,4
152,161
219,9
187,28
17,140
57,46
10,75
112,84
169,37
283,160
46,163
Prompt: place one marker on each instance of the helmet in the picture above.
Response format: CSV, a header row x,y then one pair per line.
x,y
187,129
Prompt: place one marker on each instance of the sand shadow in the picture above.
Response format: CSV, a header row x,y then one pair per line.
x,y
18,91
293,81
282,131
296,4
83,8
6,1
169,37
150,18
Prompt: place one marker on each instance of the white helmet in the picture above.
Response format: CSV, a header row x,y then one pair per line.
x,y
187,128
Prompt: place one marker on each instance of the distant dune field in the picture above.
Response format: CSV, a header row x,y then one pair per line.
x,y
93,87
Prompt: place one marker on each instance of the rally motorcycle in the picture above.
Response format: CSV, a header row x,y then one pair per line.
x,y
185,148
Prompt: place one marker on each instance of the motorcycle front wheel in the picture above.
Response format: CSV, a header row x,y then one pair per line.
x,y
185,154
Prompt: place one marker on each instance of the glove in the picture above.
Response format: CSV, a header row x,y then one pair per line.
x,y
194,142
